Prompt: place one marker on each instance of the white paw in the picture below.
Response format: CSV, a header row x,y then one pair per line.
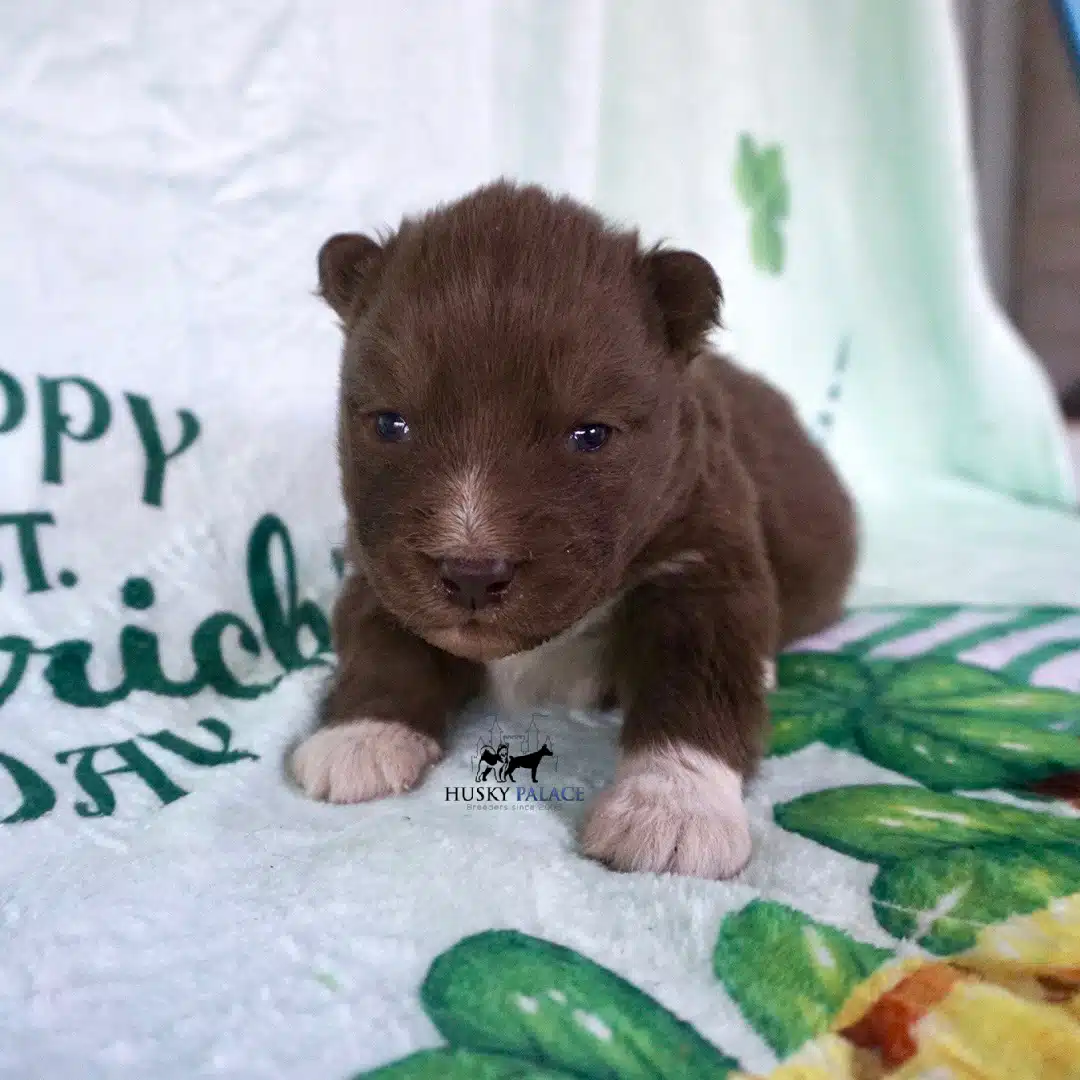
x,y
362,760
671,810
768,674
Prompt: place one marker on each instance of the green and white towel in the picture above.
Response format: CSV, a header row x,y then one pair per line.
x,y
170,522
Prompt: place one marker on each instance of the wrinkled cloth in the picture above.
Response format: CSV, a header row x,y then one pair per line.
x,y
170,531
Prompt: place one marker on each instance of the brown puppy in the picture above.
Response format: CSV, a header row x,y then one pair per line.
x,y
554,489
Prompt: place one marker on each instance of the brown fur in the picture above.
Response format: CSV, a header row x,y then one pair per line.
x,y
709,520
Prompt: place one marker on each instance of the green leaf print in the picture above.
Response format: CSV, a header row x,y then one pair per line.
x,y
951,726
502,992
747,177
930,679
774,196
762,187
948,726
447,1064
766,245
943,899
880,822
818,698
788,974
961,690
979,752
949,865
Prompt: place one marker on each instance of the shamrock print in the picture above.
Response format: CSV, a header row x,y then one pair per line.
x,y
762,188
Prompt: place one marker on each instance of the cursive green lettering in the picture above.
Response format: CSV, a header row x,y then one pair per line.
x,y
66,674
201,755
56,423
206,647
38,797
283,622
19,650
140,654
153,446
29,549
92,779
14,402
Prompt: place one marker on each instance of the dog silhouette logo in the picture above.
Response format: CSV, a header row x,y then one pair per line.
x,y
493,760
502,754
511,771
528,761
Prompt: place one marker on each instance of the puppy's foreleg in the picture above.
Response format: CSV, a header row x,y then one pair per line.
x,y
383,722
688,653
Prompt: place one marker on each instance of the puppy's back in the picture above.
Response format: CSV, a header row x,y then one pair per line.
x,y
807,517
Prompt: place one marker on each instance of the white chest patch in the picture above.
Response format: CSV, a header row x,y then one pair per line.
x,y
570,669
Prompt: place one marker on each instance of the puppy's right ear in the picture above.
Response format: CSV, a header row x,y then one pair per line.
x,y
348,267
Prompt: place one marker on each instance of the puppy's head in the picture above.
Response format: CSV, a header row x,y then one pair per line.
x,y
511,406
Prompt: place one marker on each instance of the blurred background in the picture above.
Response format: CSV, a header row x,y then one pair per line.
x,y
1025,114
167,173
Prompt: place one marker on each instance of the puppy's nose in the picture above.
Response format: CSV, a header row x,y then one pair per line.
x,y
475,583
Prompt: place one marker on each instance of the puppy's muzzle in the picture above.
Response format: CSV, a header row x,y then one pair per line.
x,y
476,584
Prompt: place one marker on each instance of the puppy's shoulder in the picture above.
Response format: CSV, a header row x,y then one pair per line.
x,y
736,393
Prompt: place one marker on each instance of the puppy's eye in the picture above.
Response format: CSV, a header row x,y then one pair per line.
x,y
391,427
589,437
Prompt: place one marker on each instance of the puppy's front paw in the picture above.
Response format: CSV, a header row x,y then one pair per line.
x,y
362,760
671,809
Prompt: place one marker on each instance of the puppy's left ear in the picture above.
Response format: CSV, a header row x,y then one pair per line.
x,y
686,295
